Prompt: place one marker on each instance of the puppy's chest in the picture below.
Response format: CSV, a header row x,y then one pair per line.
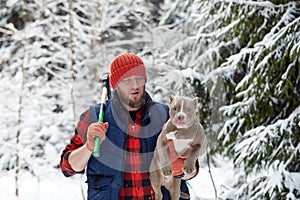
x,y
181,145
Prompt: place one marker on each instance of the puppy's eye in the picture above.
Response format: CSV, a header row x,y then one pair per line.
x,y
174,108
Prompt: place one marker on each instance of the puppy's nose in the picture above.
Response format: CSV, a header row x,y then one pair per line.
x,y
180,117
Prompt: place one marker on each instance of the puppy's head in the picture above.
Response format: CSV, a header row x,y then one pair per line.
x,y
183,111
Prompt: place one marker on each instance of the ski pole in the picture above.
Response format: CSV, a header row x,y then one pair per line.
x,y
105,94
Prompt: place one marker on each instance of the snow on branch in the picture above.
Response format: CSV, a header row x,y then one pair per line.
x,y
287,21
257,139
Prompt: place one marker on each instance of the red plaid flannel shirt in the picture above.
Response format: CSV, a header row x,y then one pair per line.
x,y
136,184
77,141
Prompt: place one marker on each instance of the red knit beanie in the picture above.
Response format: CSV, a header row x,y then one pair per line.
x,y
126,65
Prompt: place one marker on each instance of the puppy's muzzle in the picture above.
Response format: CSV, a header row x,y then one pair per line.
x,y
181,117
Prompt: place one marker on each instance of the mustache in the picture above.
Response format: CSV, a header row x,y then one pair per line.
x,y
133,103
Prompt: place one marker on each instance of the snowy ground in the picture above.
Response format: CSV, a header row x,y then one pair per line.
x,y
55,186
201,187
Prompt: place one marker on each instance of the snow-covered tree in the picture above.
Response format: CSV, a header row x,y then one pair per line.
x,y
261,131
34,75
51,55
244,54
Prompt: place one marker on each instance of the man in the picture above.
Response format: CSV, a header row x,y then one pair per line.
x,y
132,123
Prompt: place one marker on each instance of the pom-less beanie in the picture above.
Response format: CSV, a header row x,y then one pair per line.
x,y
126,65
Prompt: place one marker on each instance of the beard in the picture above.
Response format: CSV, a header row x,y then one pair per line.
x,y
135,103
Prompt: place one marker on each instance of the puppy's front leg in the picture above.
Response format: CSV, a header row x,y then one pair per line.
x,y
189,164
198,148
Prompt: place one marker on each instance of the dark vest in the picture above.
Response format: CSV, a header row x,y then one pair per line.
x,y
105,173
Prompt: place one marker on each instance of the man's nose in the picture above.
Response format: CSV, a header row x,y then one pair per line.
x,y
134,83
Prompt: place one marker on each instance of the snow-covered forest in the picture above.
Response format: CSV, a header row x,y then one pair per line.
x,y
241,57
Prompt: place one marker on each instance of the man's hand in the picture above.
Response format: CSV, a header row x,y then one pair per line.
x,y
95,129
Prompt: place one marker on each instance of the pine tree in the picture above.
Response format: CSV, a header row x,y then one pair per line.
x,y
261,131
244,54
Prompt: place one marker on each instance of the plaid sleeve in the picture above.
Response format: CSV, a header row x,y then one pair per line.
x,y
77,140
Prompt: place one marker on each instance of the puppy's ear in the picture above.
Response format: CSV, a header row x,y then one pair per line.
x,y
171,98
196,100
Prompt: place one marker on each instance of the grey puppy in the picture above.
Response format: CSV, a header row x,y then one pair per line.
x,y
189,142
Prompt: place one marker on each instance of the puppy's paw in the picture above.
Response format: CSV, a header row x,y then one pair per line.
x,y
189,168
167,171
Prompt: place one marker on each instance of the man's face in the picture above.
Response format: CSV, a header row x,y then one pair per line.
x,y
131,91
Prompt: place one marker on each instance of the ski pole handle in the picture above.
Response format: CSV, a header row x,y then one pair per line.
x,y
96,152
